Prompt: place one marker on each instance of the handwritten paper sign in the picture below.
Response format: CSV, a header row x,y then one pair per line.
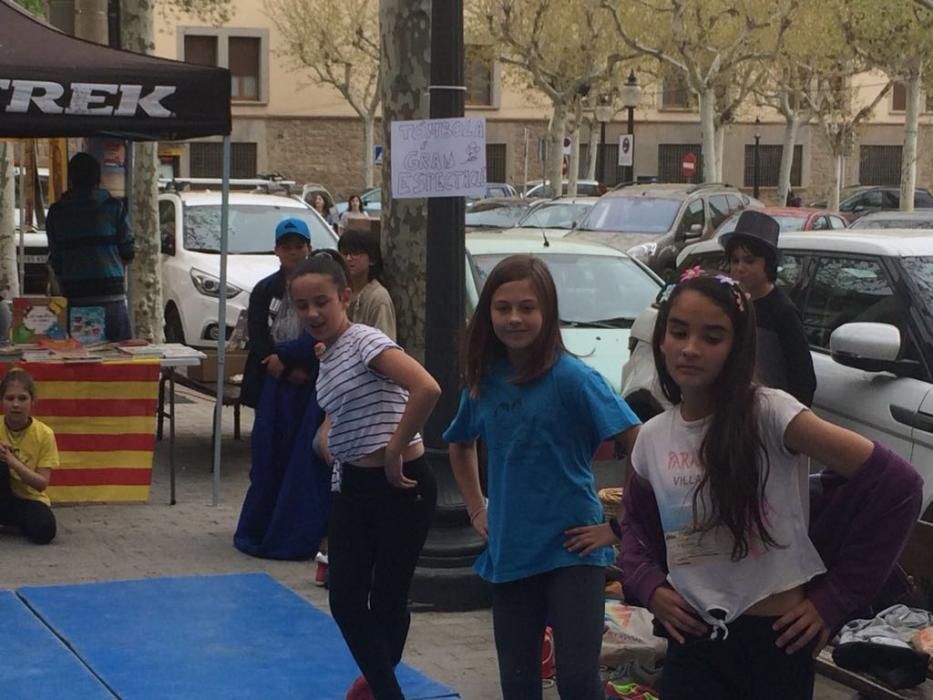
x,y
439,158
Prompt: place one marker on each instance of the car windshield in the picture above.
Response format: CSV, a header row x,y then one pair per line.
x,y
556,215
632,215
251,228
894,222
601,290
496,216
786,223
920,270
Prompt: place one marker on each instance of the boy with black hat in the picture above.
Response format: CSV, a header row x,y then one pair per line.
x,y
784,360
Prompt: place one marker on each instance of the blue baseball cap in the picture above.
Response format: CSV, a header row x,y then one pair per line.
x,y
292,227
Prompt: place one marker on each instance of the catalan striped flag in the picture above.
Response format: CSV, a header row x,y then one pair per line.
x,y
103,415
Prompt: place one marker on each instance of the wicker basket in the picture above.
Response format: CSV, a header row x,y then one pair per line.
x,y
611,499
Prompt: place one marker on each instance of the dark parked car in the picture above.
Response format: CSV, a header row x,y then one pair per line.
x,y
861,199
653,223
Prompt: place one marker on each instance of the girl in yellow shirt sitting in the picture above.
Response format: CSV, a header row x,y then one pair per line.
x,y
28,453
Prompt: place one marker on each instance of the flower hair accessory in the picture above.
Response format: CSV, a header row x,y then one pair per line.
x,y
737,293
691,273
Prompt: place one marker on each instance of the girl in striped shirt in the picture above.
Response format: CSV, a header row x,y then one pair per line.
x,y
376,399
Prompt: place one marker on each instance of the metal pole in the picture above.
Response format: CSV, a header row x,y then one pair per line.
x,y
631,132
21,268
445,241
525,175
221,324
755,187
601,153
129,185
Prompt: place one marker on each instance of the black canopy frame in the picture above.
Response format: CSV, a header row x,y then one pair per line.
x,y
55,85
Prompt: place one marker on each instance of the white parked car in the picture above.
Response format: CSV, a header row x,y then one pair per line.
x,y
866,299
600,291
190,230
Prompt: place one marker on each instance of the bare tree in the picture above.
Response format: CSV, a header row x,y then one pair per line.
x,y
710,42
834,107
897,39
145,276
9,278
405,27
336,43
563,49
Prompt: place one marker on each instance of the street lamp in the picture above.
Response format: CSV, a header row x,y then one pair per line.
x,y
756,191
603,114
631,94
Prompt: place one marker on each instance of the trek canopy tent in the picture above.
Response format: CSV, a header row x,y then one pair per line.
x,y
54,85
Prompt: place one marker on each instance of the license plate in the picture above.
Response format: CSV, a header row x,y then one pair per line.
x,y
35,259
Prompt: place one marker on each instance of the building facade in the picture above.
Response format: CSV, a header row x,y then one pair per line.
x,y
283,123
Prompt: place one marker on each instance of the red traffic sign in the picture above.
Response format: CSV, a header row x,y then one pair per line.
x,y
688,166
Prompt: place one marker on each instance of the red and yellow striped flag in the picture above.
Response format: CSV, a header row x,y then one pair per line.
x,y
103,415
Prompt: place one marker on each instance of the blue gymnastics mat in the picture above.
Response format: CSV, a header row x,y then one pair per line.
x,y
35,664
225,637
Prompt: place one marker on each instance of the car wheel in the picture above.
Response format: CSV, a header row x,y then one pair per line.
x,y
174,333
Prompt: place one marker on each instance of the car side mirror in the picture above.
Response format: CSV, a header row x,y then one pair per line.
x,y
694,232
871,347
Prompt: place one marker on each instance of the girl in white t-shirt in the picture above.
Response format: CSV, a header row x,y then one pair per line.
x,y
726,467
376,399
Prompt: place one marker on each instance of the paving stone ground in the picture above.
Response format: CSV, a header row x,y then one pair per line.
x,y
113,541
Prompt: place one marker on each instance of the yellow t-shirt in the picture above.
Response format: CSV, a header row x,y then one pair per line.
x,y
35,447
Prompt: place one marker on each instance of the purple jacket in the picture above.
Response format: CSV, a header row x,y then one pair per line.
x,y
859,526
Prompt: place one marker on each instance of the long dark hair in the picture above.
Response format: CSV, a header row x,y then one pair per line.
x,y
482,348
735,462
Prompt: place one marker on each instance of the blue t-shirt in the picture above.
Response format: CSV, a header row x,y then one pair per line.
x,y
540,439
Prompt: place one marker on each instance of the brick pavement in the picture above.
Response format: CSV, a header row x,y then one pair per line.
x,y
108,542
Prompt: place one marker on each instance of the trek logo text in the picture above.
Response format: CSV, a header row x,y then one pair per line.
x,y
89,99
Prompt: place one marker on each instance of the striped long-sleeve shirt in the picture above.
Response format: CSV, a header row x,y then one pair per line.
x,y
364,407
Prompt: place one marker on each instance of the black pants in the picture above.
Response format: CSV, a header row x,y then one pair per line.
x,y
572,601
747,664
376,535
33,518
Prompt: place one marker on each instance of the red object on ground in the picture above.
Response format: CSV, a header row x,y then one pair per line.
x,y
360,690
548,669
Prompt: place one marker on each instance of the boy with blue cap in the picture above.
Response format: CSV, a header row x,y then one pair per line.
x,y
267,316
285,510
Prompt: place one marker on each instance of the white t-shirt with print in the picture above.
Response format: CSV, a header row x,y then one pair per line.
x,y
666,455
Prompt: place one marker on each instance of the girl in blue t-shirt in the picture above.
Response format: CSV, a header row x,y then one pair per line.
x,y
541,413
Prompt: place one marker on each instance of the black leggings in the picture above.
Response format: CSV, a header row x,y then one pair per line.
x,y
376,535
33,518
747,664
571,600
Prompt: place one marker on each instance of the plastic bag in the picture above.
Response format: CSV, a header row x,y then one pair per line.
x,y
629,635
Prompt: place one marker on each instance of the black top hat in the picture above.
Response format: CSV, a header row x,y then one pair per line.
x,y
754,225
